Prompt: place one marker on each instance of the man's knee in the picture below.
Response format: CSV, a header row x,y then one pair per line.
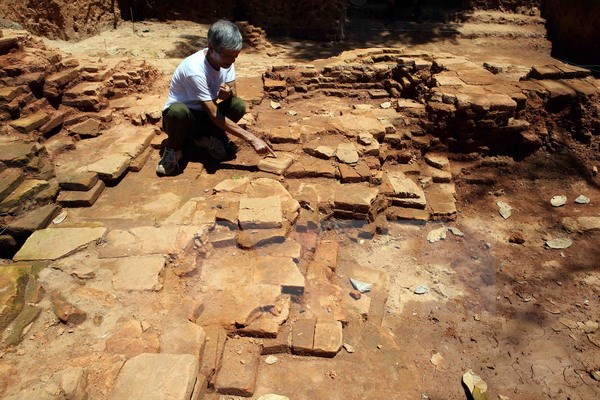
x,y
238,109
177,112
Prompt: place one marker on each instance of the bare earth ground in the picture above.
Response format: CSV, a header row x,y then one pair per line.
x,y
498,308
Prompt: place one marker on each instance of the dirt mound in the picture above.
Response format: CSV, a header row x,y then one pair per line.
x,y
62,19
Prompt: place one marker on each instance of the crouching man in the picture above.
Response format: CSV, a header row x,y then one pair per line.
x,y
203,103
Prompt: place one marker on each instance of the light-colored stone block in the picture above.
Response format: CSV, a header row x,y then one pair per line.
x,y
262,213
157,377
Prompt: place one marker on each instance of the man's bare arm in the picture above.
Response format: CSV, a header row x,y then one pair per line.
x,y
231,127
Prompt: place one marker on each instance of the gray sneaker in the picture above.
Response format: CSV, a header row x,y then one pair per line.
x,y
168,164
213,146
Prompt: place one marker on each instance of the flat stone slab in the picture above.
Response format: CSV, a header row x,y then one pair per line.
x,y
279,271
328,338
346,153
54,243
32,221
276,165
310,167
68,198
239,367
589,223
303,334
139,273
146,240
284,134
10,179
260,213
353,125
157,377
26,190
82,181
354,197
402,186
111,167
30,122
87,129
182,337
438,161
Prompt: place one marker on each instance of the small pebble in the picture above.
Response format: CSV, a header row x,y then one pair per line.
x,y
582,200
421,289
271,359
349,348
355,294
558,201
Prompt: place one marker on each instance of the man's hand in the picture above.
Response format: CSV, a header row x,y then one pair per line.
x,y
261,147
224,91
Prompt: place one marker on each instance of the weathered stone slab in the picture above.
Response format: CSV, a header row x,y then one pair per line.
x,y
30,122
402,186
213,350
407,214
589,223
146,240
132,141
131,339
354,197
182,337
68,198
323,152
260,213
557,89
303,333
237,375
10,179
328,338
57,118
442,206
139,273
353,125
111,167
87,129
276,165
16,154
138,162
157,377
79,181
346,153
284,134
438,161
54,243
545,72
26,190
309,167
9,93
278,271
13,282
32,221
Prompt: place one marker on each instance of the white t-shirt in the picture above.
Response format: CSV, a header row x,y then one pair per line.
x,y
195,81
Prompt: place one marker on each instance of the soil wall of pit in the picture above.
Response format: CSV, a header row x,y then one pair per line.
x,y
574,29
62,19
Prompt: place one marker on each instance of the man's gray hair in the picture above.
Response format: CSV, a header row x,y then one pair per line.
x,y
224,35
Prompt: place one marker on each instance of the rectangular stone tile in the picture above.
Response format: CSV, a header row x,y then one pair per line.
x,y
138,162
111,167
54,243
30,122
276,165
10,179
146,240
157,377
354,197
16,153
239,367
280,344
328,338
139,273
79,181
303,333
261,213
80,199
407,214
213,350
26,190
32,221
279,271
